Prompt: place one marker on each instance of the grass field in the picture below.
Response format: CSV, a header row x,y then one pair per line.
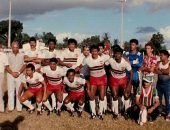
x,y
65,122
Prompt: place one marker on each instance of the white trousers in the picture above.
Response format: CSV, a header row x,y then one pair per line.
x,y
1,92
13,86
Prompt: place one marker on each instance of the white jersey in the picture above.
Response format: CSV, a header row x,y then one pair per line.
x,y
51,54
4,61
85,69
106,57
96,66
119,69
77,85
35,81
70,57
37,54
53,77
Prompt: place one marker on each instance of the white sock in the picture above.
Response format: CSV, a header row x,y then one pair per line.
x,y
142,116
47,104
28,104
123,101
64,95
101,107
115,105
69,106
53,98
105,103
93,106
39,106
59,105
127,104
81,107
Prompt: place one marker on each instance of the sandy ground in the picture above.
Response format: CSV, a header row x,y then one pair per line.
x,y
65,122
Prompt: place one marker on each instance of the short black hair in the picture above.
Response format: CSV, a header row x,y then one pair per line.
x,y
70,71
100,44
71,40
115,46
54,60
165,52
92,47
31,66
118,49
52,40
32,39
134,41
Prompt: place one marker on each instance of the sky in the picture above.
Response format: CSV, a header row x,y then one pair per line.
x,y
83,18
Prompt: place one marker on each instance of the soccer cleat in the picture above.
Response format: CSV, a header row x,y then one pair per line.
x,y
168,117
115,116
58,112
93,116
30,111
126,116
49,113
79,113
39,113
101,117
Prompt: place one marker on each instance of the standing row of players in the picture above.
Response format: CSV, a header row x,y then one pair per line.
x,y
52,72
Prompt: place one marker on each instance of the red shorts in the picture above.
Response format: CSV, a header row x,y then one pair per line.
x,y
118,82
98,81
55,88
35,91
74,96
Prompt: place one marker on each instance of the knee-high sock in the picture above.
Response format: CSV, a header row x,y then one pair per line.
x,y
39,106
69,106
59,105
115,108
127,104
105,103
64,95
93,106
28,104
53,98
143,116
101,106
47,104
81,107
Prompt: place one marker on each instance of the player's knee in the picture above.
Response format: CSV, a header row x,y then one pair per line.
x,y
115,97
126,96
81,103
38,100
22,99
66,101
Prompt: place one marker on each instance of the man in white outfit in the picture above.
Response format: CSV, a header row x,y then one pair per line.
x,y
3,65
16,67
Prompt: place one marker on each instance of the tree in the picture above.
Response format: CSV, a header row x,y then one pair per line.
x,y
126,46
158,41
16,29
91,40
106,37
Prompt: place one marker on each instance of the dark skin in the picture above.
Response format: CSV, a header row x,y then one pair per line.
x,y
41,96
68,99
59,95
127,90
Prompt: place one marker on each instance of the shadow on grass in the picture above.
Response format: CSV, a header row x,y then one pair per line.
x,y
8,125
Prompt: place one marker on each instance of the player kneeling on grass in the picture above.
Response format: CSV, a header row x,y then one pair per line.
x,y
119,80
147,102
53,74
76,92
36,87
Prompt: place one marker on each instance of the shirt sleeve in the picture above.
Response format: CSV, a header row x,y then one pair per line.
x,y
23,79
82,81
40,77
128,66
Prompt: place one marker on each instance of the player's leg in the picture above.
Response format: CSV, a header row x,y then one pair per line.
x,y
39,97
47,103
59,96
93,90
101,100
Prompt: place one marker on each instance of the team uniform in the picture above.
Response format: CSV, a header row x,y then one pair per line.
x,y
35,53
97,78
54,83
76,91
3,64
34,86
118,73
70,57
136,61
148,100
163,86
118,79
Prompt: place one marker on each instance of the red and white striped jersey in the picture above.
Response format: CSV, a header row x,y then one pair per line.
x,y
53,77
35,81
96,66
77,85
118,70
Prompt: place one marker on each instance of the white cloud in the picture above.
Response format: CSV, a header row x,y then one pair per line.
x,y
78,36
166,32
